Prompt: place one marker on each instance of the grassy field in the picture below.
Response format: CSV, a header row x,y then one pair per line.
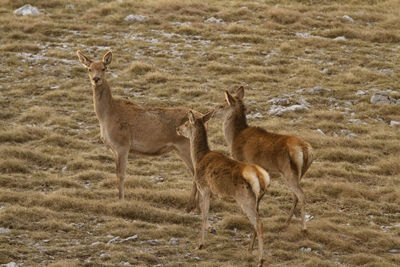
x,y
58,189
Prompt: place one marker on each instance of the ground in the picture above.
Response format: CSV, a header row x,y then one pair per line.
x,y
58,189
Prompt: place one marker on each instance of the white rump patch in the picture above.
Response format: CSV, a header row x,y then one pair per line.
x,y
250,176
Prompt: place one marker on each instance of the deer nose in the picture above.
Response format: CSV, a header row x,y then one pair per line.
x,y
96,79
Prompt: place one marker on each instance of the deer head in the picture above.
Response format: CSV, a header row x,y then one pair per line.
x,y
189,127
96,69
232,102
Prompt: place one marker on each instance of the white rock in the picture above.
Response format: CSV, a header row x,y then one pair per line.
x,y
11,264
214,20
134,18
361,92
254,115
279,101
394,250
387,71
305,249
302,101
303,35
113,240
64,168
355,121
309,217
278,110
174,241
319,90
395,123
348,18
125,263
196,258
27,10
382,98
134,237
325,71
70,6
96,243
320,131
340,38
4,230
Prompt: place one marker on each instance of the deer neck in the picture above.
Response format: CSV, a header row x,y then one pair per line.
x,y
102,100
234,123
199,145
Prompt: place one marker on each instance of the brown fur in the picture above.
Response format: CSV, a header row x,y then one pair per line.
x,y
226,178
126,127
285,154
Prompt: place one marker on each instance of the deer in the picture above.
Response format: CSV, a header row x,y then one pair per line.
x,y
129,128
286,154
221,176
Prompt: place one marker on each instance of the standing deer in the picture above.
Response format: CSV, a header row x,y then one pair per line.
x,y
225,177
286,154
126,127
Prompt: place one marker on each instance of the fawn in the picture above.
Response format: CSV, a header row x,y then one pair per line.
x,y
126,127
217,174
286,154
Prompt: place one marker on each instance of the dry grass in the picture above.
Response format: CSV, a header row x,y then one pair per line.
x,y
58,193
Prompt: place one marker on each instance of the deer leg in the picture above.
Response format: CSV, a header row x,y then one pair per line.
x,y
205,206
296,189
249,206
121,158
295,200
183,152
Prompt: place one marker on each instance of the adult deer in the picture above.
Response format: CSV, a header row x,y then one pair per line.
x,y
286,154
126,127
225,177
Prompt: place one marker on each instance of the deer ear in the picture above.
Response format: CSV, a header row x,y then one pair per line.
x,y
229,98
191,117
107,58
240,92
208,116
85,60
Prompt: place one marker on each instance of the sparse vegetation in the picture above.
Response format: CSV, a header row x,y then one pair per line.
x,y
58,193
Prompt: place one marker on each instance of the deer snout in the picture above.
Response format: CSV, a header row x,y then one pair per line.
x,y
96,79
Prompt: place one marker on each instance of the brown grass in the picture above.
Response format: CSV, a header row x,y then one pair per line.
x,y
58,194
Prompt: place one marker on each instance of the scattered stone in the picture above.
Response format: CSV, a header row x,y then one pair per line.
x,y
305,249
113,240
320,131
214,20
355,121
309,217
382,98
302,90
386,227
387,71
27,10
96,243
157,179
395,250
340,38
278,110
279,101
348,18
11,264
4,230
64,168
361,92
70,6
347,133
325,71
303,35
174,241
125,263
134,18
104,255
302,101
319,90
254,115
134,237
196,258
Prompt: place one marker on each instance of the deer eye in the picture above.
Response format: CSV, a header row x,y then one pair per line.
x,y
104,69
90,69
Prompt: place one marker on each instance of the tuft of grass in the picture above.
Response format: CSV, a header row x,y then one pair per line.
x,y
139,68
156,77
